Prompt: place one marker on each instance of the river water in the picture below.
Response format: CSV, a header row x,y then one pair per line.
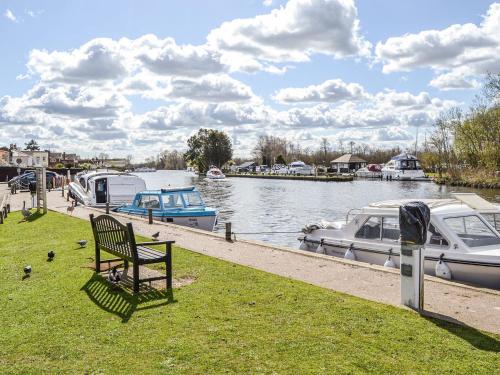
x,y
265,205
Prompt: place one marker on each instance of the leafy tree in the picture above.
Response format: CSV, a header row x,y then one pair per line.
x,y
32,146
208,147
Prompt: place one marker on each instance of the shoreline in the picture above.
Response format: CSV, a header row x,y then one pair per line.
x,y
294,177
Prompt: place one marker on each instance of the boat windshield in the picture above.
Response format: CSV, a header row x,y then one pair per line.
x,y
472,231
193,199
410,164
172,201
147,201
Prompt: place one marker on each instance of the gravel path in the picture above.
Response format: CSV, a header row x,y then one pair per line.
x,y
475,307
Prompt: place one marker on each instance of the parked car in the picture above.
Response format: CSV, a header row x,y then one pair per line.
x,y
22,181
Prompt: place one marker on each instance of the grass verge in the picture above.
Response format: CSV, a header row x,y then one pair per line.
x,y
233,319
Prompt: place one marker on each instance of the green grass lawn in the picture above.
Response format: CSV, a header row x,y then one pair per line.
x,y
233,319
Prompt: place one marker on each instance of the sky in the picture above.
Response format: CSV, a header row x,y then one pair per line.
x,y
138,77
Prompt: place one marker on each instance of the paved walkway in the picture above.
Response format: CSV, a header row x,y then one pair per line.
x,y
475,307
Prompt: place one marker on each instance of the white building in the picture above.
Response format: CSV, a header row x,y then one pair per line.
x,y
27,159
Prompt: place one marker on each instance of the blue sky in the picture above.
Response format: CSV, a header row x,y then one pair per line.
x,y
370,71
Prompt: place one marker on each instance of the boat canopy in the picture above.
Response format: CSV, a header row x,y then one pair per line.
x,y
396,203
404,156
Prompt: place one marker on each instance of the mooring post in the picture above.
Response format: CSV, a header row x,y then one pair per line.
x,y
414,220
228,231
150,215
1,217
5,212
107,208
8,208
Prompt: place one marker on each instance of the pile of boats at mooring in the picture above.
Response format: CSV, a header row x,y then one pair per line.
x,y
463,239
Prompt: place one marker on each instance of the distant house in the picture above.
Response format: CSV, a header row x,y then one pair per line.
x,y
63,158
248,166
348,163
26,158
4,156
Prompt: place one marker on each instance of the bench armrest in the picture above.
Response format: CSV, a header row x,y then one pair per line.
x,y
154,243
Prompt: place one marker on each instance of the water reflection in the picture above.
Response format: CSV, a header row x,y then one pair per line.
x,y
262,205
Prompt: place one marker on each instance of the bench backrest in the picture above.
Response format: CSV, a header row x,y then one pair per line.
x,y
113,236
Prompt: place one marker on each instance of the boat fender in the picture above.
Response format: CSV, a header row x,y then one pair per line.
x,y
442,270
349,254
389,263
321,248
303,244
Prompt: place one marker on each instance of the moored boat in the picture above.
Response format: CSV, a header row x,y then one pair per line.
x,y
404,167
181,206
460,239
98,188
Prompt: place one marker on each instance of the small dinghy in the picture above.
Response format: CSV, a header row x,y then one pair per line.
x,y
181,206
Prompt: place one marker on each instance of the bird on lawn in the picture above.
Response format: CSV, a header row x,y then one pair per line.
x,y
82,243
114,276
71,208
50,255
27,271
155,236
26,212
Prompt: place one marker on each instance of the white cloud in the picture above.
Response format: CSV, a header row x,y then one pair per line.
x,y
10,16
331,91
457,53
165,57
98,60
267,3
295,31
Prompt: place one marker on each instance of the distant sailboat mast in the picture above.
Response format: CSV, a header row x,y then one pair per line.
x,y
416,142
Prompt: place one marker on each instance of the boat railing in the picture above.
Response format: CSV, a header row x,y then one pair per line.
x,y
351,212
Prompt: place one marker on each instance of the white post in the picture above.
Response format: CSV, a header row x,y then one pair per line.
x,y
412,275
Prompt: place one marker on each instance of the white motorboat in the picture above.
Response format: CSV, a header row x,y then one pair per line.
x,y
297,168
404,167
459,239
98,188
215,173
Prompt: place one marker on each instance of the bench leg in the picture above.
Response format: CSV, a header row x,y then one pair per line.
x,y
136,277
168,266
97,259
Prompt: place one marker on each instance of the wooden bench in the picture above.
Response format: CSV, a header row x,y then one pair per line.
x,y
118,239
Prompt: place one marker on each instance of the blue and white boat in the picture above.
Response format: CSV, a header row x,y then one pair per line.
x,y
181,206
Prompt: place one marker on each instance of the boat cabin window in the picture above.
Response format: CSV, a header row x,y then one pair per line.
x,y
410,164
172,201
370,230
435,238
148,201
380,228
83,182
193,199
494,220
472,231
390,228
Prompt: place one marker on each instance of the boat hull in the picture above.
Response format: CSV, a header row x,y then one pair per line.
x,y
206,222
485,274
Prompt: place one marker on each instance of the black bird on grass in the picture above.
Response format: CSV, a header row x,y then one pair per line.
x,y
82,243
50,255
155,236
114,276
27,271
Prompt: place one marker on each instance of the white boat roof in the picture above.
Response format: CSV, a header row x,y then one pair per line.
x,y
432,203
476,202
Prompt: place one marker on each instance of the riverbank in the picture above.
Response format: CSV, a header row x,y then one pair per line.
x,y
293,177
477,181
